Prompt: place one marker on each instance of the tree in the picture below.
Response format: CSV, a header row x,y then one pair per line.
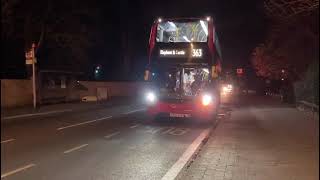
x,y
292,43
291,48
65,31
286,9
70,35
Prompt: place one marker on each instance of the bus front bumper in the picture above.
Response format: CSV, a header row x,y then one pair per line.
x,y
182,110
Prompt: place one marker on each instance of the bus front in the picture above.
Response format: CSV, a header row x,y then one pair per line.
x,y
182,68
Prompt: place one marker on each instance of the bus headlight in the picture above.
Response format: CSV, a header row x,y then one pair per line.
x,y
151,97
206,99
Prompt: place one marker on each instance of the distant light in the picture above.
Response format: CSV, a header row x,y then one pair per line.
x,y
185,38
153,74
204,27
169,75
191,39
208,18
159,20
98,67
96,71
282,70
282,79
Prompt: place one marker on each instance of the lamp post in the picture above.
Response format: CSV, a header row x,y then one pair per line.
x,y
34,77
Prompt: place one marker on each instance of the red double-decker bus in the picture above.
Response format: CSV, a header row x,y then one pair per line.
x,y
184,66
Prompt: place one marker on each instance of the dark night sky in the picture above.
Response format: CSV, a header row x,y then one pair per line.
x,y
240,26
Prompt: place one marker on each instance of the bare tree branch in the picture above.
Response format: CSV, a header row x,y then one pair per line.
x,y
285,9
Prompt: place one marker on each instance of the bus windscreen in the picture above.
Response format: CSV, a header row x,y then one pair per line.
x,y
194,31
193,80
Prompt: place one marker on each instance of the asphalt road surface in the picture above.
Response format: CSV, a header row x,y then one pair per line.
x,y
103,143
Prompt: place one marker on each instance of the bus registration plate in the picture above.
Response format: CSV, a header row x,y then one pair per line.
x,y
179,115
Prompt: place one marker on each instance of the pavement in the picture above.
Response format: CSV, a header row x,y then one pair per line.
x,y
257,139
260,140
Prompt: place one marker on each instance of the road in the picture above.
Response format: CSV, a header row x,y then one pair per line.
x,y
102,143
118,142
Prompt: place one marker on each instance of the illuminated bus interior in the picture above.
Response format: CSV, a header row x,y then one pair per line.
x,y
193,80
193,31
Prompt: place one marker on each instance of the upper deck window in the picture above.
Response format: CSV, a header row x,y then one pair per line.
x,y
194,31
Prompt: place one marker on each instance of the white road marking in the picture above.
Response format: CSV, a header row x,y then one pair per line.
x,y
153,130
133,111
75,148
167,131
8,140
221,114
183,160
134,126
86,122
36,114
179,131
113,134
16,170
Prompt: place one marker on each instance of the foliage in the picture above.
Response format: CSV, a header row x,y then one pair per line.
x,y
65,31
292,46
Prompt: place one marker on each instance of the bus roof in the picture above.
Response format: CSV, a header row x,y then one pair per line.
x,y
182,19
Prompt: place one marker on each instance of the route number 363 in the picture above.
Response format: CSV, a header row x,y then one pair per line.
x,y
196,52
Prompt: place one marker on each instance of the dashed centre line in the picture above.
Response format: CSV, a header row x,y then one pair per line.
x,y
8,140
86,122
16,170
75,148
133,111
113,134
134,126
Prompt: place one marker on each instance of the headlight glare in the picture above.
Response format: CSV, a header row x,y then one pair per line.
x,y
151,97
206,99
